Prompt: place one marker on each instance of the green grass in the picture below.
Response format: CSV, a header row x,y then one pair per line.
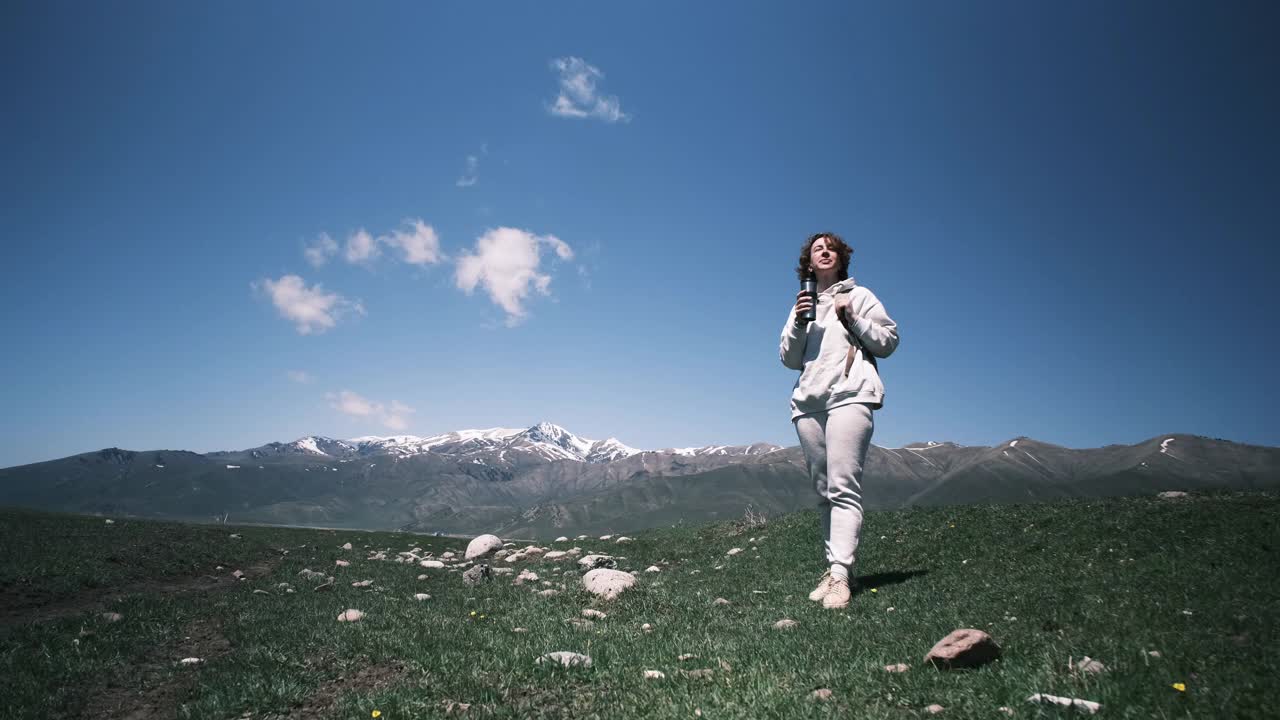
x,y
1195,579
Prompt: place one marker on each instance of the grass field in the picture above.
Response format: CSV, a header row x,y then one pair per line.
x,y
1194,579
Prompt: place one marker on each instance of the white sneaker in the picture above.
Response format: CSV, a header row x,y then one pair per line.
x,y
838,595
824,587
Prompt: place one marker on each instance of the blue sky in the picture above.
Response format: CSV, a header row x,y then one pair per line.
x,y
590,214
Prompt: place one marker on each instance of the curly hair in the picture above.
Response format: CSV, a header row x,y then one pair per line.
x,y
844,254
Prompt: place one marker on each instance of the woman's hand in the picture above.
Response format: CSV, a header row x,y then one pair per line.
x,y
803,303
842,310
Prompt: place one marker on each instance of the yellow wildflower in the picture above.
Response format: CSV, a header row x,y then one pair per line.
x,y
377,713
873,589
473,613
1180,687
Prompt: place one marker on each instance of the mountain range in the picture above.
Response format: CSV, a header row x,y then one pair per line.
x,y
546,480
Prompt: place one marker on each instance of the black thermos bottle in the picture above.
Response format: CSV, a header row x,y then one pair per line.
x,y
810,286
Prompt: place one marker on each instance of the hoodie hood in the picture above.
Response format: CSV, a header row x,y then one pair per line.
x,y
844,285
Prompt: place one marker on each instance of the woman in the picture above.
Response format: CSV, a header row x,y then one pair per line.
x,y
832,402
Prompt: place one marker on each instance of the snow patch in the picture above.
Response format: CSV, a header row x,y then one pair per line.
x,y
233,467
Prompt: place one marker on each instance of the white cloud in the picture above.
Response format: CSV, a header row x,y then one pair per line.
x,y
361,247
471,175
321,250
301,377
311,309
578,97
417,242
394,417
506,263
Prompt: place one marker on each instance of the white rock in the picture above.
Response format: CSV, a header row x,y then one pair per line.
x,y
605,537
934,709
341,563
362,583
109,521
1089,665
482,546
581,537
785,624
734,551
190,661
350,615
897,668
237,574
591,613
421,596
567,659
654,675
346,546
423,576
502,570
623,540
112,616
1073,703
719,601
653,569
686,656
646,627
554,555
562,539
1168,495
431,564
607,583
447,556
235,536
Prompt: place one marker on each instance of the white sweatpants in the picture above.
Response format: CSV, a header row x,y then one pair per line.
x,y
835,445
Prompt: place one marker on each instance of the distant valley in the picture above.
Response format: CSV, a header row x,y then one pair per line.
x,y
544,480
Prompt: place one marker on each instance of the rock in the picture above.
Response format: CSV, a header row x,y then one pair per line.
x,y
605,537
963,648
934,709
591,562
897,668
237,574
720,601
431,564
733,551
554,555
581,537
190,661
607,583
476,575
520,630
235,536
109,521
623,540
421,596
346,546
362,583
525,576
1005,709
1089,665
1167,495
701,674
821,694
350,615
590,613
515,557
785,624
423,576
447,556
562,539
112,616
1074,703
482,546
548,593
1153,653
646,628
654,675
566,659
261,592
341,563
653,569
502,571
533,550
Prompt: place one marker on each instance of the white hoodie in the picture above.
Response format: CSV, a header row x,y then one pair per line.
x,y
832,357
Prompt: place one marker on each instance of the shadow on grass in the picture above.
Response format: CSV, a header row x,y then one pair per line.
x,y
866,582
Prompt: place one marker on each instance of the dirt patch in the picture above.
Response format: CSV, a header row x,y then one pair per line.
x,y
322,702
156,688
19,606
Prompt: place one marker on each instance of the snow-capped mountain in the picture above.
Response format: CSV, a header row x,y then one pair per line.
x,y
544,441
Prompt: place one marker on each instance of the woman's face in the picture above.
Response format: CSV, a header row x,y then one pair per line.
x,y
822,257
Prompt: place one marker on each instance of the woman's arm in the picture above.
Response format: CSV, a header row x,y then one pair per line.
x,y
791,349
873,327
